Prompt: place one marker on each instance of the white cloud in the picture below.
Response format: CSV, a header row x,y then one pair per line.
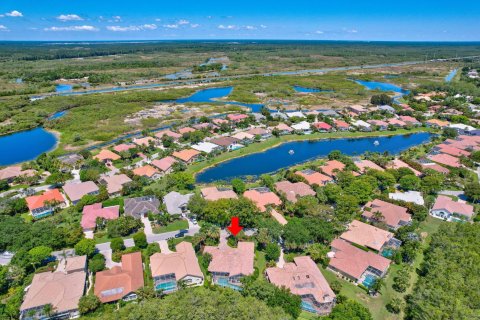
x,y
72,28
117,18
69,17
158,19
319,32
14,13
194,25
183,21
352,31
132,28
251,28
263,26
171,26
3,28
229,27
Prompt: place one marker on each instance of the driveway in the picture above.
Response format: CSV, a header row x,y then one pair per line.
x,y
164,247
104,249
147,226
459,194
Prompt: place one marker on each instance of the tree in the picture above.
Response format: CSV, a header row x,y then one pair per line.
x,y
88,303
350,309
267,180
410,182
123,226
39,254
402,280
117,244
85,247
381,99
238,186
4,185
347,207
472,191
318,253
96,263
140,240
395,305
272,252
432,182
377,285
181,180
449,133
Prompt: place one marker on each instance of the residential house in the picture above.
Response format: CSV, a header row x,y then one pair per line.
x,y
185,130
435,123
314,177
229,265
165,165
219,121
293,191
215,193
446,160
69,161
355,264
392,215
114,183
409,196
123,147
120,282
435,167
303,278
379,124
237,117
358,109
450,210
365,165
410,121
329,113
397,164
187,155
94,211
387,108
148,172
295,114
106,155
244,137
140,206
144,141
206,147
362,125
170,270
397,123
263,133
341,125
76,190
11,173
61,290
332,167
226,143
175,136
369,236
302,127
451,150
43,205
283,129
262,197
176,203
322,126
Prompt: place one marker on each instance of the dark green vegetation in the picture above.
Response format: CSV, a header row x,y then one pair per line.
x,y
449,277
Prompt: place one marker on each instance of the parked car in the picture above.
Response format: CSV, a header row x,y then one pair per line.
x,y
181,233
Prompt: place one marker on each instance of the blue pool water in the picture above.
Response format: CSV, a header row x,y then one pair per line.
x,y
224,283
63,88
25,145
369,280
387,253
307,306
451,75
167,286
260,163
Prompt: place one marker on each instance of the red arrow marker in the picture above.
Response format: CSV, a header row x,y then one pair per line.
x,y
234,226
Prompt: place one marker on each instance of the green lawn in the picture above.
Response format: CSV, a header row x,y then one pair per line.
x,y
260,264
173,226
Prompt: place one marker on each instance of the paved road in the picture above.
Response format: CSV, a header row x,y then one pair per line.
x,y
459,194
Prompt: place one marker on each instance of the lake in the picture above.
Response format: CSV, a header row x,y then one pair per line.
x,y
278,157
382,86
25,145
63,88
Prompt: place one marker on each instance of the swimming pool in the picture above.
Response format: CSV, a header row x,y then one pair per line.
x,y
166,286
369,280
308,306
224,283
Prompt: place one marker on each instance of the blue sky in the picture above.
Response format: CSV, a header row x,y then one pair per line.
x,y
406,20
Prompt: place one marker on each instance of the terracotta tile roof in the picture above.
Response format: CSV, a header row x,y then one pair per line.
x,y
224,141
182,263
106,154
144,141
438,123
243,136
302,277
396,122
314,177
184,130
168,133
392,213
234,261
379,123
366,235
451,150
409,119
237,117
123,147
214,194
364,165
72,264
322,126
114,284
292,190
446,159
14,172
283,127
446,203
436,167
341,124
145,171
164,164
63,291
219,121
36,202
262,198
332,167
354,261
258,131
94,211
397,164
75,191
277,216
186,154
115,183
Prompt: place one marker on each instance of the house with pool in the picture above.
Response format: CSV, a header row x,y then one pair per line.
x,y
45,204
447,209
172,270
356,265
303,278
229,265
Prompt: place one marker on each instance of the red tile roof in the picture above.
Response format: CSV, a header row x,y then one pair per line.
x,y
262,199
332,167
364,165
94,211
106,154
322,126
446,203
234,261
164,164
237,117
446,159
294,190
214,194
36,202
145,171
186,154
392,213
123,147
366,235
314,177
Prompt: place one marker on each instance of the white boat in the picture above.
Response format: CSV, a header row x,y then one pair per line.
x,y
290,152
376,143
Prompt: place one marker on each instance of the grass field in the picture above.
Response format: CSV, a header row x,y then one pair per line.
x,y
173,226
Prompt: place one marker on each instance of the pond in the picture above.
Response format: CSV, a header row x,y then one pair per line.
x,y
57,115
309,90
279,157
451,75
382,86
63,88
25,145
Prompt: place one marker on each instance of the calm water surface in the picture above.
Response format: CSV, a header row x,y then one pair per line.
x,y
279,157
25,145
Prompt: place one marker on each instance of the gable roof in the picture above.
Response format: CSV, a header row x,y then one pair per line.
x,y
14,172
302,277
366,235
145,171
391,213
397,164
292,190
168,133
446,159
123,147
364,165
354,261
76,190
224,141
213,193
446,203
94,211
331,167
115,183
144,141
234,261
114,284
206,147
106,154
186,154
36,202
262,197
164,164
314,177
182,263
